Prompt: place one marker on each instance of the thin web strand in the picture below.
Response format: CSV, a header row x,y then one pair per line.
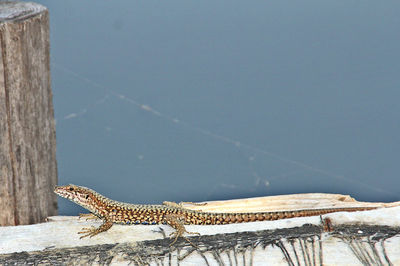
x,y
219,137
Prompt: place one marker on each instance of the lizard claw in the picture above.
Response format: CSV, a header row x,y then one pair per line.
x,y
177,234
88,232
92,231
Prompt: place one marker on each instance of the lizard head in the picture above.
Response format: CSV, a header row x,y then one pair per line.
x,y
80,195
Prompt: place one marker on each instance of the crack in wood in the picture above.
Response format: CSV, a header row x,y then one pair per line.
x,y
360,239
299,245
8,118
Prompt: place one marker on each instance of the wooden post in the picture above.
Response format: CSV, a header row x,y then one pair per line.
x,y
28,169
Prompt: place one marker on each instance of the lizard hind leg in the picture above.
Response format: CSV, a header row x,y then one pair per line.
x,y
181,205
176,222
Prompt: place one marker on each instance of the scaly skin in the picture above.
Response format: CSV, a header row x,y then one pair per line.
x,y
111,211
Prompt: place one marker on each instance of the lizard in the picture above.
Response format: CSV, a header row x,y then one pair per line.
x,y
173,214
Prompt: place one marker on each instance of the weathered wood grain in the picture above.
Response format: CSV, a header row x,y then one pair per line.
x,y
28,170
341,238
365,238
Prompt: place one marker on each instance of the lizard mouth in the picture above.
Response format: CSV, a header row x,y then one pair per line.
x,y
61,192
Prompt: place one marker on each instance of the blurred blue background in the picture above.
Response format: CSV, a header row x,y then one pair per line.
x,y
205,100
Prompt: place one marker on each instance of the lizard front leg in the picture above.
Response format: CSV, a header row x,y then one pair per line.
x,y
92,231
88,216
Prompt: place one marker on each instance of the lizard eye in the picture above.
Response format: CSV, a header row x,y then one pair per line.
x,y
71,189
87,196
